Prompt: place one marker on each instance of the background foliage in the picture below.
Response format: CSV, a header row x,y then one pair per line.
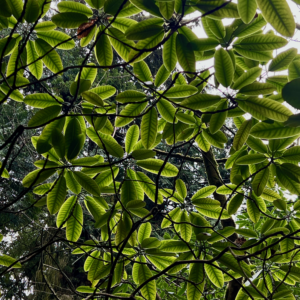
x,y
139,160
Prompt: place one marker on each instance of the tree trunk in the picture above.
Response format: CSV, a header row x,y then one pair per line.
x,y
214,178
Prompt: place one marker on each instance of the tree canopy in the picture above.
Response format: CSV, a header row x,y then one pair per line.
x,y
141,159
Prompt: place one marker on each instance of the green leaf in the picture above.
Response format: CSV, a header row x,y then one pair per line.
x,y
279,15
202,143
105,91
87,183
57,39
270,195
7,261
187,119
294,70
260,181
247,10
35,65
185,229
44,7
65,210
154,166
256,144
74,139
216,27
143,154
174,215
217,10
203,44
169,53
130,110
280,204
90,34
282,60
247,78
166,8
89,261
120,43
12,63
113,6
167,110
103,50
287,182
181,188
185,55
150,242
148,186
128,192
5,9
43,145
214,212
16,7
95,3
106,178
290,92
218,139
45,115
273,131
279,81
72,184
217,120
161,76
242,135
181,91
194,291
45,26
57,195
235,203
200,101
42,189
258,88
174,246
248,29
148,43
147,5
149,128
75,224
231,262
278,230
148,290
122,24
69,19
253,211
58,143
214,274
144,232
223,67
51,59
89,73
266,108
144,29
70,6
92,98
131,96
250,159
292,154
41,100
262,56
106,141
261,42
142,71
132,137
172,195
